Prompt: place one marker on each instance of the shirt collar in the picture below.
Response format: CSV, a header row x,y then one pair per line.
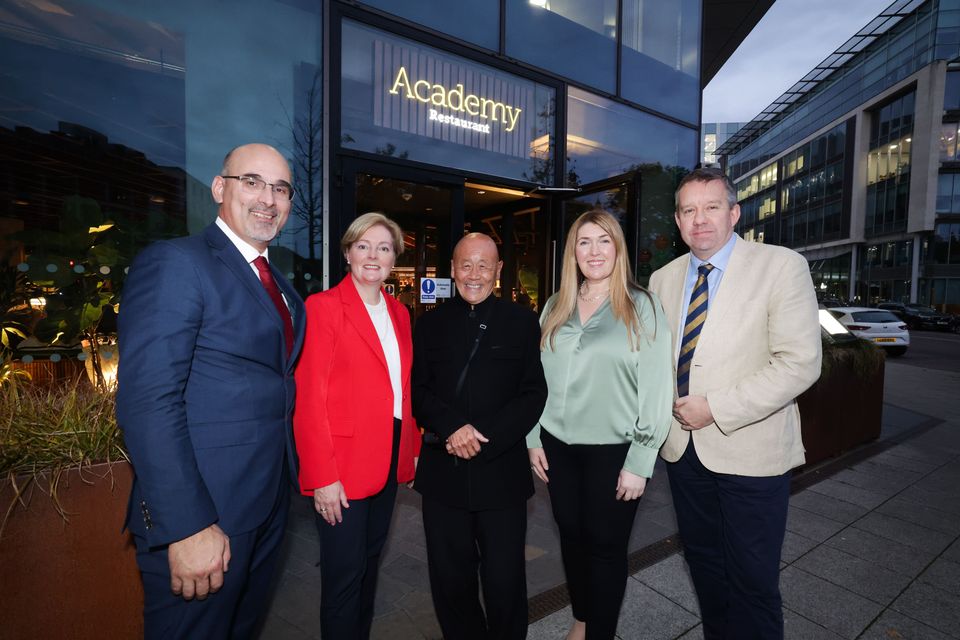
x,y
248,252
719,260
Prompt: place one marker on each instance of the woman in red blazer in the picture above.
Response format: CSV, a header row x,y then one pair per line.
x,y
353,425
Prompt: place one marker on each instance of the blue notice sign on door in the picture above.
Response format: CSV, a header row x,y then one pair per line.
x,y
428,290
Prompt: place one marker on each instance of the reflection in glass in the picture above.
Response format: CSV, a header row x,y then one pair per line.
x,y
573,38
605,139
661,56
114,118
477,21
404,99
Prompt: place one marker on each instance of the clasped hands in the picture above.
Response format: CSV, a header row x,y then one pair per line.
x,y
465,442
692,412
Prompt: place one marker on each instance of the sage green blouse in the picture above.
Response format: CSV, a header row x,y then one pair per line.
x,y
601,392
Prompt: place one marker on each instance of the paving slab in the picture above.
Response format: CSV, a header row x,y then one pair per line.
x,y
810,525
827,506
943,574
671,578
551,627
647,615
826,604
277,628
922,515
953,552
794,546
933,497
848,493
796,627
397,626
888,485
931,606
908,533
860,576
298,604
892,625
883,551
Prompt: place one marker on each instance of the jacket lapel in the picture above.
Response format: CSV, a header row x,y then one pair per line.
x,y
224,250
356,314
729,297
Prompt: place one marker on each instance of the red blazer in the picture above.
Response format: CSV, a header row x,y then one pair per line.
x,y
343,423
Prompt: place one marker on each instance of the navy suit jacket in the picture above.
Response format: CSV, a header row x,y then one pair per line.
x,y
206,390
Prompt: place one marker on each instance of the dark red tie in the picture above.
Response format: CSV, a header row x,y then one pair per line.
x,y
266,279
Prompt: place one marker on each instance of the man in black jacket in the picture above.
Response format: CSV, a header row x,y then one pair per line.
x,y
478,388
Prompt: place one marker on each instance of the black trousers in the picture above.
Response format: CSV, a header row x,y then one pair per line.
x,y
461,544
594,528
732,530
350,559
236,610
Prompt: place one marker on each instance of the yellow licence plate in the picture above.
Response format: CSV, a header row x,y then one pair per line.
x,y
884,339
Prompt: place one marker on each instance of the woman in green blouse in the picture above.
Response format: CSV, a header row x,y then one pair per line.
x,y
605,348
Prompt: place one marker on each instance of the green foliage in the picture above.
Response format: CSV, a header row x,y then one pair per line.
x,y
45,430
80,268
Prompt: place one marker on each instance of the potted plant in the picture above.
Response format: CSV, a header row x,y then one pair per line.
x,y
68,568
843,408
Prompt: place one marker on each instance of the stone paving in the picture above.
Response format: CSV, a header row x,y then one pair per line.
x,y
872,551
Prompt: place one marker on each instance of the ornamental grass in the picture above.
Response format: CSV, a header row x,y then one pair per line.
x,y
46,430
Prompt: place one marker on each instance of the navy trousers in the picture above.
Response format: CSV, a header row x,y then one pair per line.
x,y
350,559
732,530
235,611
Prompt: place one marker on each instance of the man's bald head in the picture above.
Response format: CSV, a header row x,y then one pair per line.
x,y
475,267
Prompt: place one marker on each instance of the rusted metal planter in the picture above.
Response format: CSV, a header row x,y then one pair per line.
x,y
71,579
841,411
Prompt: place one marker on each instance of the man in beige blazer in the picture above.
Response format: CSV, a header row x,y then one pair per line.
x,y
747,339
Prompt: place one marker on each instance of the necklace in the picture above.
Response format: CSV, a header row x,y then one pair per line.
x,y
596,298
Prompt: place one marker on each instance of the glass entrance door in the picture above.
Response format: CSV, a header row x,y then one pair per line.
x,y
435,211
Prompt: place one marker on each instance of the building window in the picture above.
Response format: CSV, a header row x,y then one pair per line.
x,y
477,21
404,99
944,244
660,55
888,166
574,38
606,138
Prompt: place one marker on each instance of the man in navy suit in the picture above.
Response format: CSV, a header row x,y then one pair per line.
x,y
209,333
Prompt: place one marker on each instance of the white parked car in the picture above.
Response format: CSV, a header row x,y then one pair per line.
x,y
876,325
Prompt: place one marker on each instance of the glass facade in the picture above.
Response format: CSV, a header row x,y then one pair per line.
x,y
574,38
888,166
116,116
606,138
477,21
403,99
798,200
890,58
661,56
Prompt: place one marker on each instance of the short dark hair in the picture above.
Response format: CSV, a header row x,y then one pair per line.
x,y
707,174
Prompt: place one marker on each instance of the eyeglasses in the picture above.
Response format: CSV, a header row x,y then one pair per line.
x,y
253,185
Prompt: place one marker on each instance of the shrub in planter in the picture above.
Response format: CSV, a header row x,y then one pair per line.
x,y
68,569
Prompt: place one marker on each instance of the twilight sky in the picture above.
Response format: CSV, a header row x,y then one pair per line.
x,y
793,37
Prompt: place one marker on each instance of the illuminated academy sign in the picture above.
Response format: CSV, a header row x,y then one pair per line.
x,y
457,100
451,101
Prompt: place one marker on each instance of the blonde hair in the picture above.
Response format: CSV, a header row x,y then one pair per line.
x,y
363,224
622,283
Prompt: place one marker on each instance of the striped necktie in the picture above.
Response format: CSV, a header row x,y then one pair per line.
x,y
696,316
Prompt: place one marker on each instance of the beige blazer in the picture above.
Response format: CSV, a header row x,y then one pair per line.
x,y
758,350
